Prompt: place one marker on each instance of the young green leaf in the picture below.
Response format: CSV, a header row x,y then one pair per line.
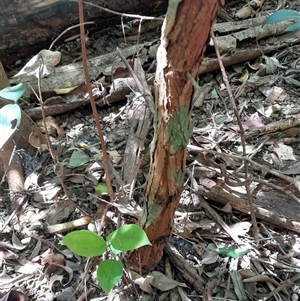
x,y
10,118
128,237
113,250
13,93
234,253
84,243
101,188
109,273
284,15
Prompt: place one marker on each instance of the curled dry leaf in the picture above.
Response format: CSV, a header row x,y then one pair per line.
x,y
60,274
58,211
164,283
36,251
276,94
241,228
56,283
210,256
13,296
34,139
17,243
48,257
52,122
41,64
143,282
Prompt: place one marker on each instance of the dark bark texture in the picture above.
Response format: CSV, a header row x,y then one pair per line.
x,y
27,26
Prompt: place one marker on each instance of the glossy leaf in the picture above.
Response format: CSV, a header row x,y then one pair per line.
x,y
10,118
85,243
128,237
13,92
113,250
284,15
109,273
234,253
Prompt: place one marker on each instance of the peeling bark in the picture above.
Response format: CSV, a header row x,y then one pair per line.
x,y
185,34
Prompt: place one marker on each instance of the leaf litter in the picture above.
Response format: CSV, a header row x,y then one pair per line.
x,y
33,264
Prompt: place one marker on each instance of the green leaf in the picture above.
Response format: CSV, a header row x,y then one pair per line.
x,y
13,93
284,15
101,188
78,158
128,237
214,94
113,250
109,273
292,81
84,243
221,119
10,118
234,253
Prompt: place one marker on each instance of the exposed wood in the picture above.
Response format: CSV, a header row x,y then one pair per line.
x,y
182,47
272,207
28,26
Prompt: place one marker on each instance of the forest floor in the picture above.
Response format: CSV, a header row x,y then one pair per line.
x,y
213,219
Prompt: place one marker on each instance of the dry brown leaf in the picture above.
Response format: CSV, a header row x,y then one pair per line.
x,y
13,296
164,283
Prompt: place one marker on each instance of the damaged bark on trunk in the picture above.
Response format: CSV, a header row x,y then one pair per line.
x,y
185,34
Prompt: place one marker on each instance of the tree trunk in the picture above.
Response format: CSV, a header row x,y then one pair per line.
x,y
27,26
185,34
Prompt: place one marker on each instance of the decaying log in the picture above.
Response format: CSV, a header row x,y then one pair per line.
x,y
251,52
79,97
72,75
272,207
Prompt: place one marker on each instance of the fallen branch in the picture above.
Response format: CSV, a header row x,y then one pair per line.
x,y
251,52
79,97
270,207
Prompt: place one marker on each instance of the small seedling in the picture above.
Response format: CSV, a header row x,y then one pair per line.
x,y
88,244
